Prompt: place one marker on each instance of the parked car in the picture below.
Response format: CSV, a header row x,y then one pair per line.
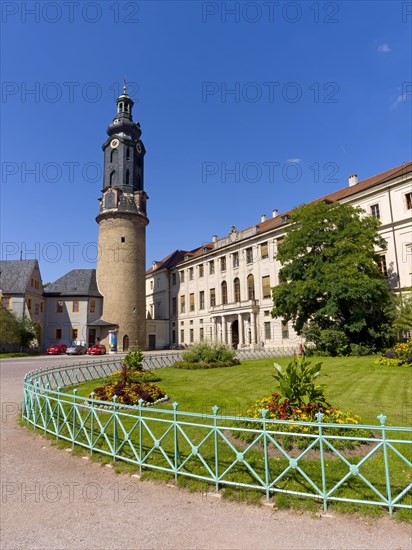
x,y
56,349
76,350
97,349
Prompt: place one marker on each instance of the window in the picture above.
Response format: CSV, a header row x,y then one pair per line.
x,y
174,306
113,155
58,333
382,265
211,267
202,299
191,274
285,330
37,284
251,287
408,198
212,297
236,289
268,335
41,307
29,304
182,276
59,306
191,336
266,286
266,313
75,333
201,270
173,278
76,306
224,292
249,255
92,306
128,153
264,251
182,336
173,337
223,263
182,304
32,283
151,284
36,309
235,259
201,334
375,211
192,302
122,239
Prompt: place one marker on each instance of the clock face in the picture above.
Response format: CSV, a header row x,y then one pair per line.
x,y
139,148
114,143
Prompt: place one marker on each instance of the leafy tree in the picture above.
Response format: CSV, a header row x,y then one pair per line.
x,y
330,285
26,331
8,327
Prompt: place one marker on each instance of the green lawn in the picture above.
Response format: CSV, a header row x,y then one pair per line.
x,y
352,383
18,354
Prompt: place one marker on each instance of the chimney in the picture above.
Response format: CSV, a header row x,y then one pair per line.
x,y
353,180
274,213
154,265
214,239
263,218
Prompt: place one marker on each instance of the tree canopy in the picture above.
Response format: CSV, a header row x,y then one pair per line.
x,y
330,284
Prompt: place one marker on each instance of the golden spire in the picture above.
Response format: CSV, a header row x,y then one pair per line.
x,y
124,85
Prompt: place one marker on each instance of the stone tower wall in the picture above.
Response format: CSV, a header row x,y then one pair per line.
x,y
121,275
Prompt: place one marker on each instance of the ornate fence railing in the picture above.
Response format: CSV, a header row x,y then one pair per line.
x,y
226,451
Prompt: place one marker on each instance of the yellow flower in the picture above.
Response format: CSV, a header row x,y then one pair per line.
x,y
305,429
298,411
339,421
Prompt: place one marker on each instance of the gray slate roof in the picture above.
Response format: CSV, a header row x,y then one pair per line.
x,y
15,275
78,282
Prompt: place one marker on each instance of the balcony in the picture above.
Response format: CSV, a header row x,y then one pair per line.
x,y
234,307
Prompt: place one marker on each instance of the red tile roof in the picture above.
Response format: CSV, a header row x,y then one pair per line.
x,y
176,257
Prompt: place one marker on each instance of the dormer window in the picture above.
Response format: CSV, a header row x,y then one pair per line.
x,y
285,219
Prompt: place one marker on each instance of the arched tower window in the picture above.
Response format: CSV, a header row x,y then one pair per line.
x,y
224,292
127,177
251,287
236,289
113,178
128,153
113,155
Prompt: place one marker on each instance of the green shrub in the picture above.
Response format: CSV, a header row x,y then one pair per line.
x,y
297,382
204,352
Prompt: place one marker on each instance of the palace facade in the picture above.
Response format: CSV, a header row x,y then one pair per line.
x,y
221,291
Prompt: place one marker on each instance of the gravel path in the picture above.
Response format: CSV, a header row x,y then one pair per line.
x,y
51,499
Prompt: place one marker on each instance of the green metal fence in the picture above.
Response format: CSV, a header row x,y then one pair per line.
x,y
226,451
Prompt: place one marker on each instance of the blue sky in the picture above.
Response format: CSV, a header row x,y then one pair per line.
x,y
244,106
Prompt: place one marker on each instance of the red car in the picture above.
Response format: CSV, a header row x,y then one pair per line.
x,y
97,349
56,349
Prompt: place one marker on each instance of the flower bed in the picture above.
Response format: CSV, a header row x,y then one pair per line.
x,y
278,410
400,354
130,393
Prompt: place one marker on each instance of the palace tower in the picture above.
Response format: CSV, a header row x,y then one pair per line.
x,y
122,232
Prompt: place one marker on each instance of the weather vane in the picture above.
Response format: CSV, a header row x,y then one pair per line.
x,y
124,85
